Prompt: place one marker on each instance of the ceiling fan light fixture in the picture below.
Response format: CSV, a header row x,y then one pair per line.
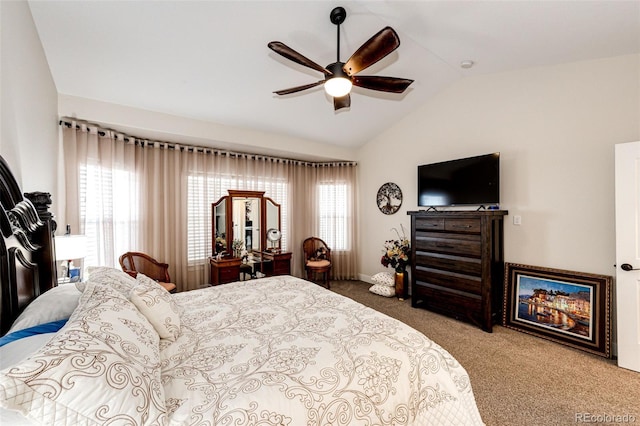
x,y
338,86
340,77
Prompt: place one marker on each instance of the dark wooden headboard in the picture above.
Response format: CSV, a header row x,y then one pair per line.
x,y
27,252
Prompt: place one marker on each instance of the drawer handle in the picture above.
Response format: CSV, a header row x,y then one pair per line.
x,y
461,226
445,246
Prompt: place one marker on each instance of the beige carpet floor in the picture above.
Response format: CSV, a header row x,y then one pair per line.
x,y
520,379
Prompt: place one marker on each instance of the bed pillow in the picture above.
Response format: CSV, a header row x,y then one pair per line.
x,y
384,278
158,306
102,367
111,277
383,290
53,305
19,350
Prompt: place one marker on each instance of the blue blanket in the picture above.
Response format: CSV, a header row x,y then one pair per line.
x,y
49,327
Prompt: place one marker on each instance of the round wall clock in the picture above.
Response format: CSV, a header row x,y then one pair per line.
x,y
389,198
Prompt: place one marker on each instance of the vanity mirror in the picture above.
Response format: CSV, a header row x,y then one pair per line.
x,y
219,217
245,217
246,220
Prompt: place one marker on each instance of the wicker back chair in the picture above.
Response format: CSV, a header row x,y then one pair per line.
x,y
317,260
133,262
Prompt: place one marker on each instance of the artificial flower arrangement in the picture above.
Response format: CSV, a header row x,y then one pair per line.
x,y
237,245
397,253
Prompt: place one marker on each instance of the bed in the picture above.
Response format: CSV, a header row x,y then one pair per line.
x,y
270,351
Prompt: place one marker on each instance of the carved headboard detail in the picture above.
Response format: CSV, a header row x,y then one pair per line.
x,y
27,253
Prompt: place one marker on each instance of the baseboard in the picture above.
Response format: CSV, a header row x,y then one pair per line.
x,y
365,278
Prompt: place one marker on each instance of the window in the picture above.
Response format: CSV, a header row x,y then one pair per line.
x,y
334,214
110,223
110,206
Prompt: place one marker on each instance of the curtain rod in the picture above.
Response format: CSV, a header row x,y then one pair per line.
x,y
67,122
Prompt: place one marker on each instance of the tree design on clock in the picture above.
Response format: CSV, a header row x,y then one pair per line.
x,y
389,198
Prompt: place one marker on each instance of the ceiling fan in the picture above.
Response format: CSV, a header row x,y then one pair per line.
x,y
339,76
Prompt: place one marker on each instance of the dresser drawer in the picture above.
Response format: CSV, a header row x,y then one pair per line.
x,y
470,225
430,224
449,303
451,280
445,243
229,274
282,268
463,265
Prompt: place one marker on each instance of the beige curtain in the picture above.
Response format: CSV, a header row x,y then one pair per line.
x,y
306,221
128,194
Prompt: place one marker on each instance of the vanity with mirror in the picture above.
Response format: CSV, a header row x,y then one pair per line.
x,y
246,238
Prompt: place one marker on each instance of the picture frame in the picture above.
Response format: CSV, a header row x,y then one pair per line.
x,y
567,307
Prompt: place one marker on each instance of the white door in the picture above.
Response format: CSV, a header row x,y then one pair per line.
x,y
628,254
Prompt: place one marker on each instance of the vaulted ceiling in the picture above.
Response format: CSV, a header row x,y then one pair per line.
x,y
208,60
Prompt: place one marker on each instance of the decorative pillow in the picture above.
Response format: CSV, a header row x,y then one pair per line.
x,y
383,290
111,277
384,278
102,367
320,254
55,304
158,306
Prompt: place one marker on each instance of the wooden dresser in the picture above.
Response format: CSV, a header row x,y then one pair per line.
x,y
457,263
270,263
224,270
276,263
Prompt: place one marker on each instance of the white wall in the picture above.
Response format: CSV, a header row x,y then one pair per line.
x,y
29,131
171,128
555,128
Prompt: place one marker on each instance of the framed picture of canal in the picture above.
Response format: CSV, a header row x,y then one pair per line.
x,y
572,308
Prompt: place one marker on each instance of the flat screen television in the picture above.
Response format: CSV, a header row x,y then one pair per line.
x,y
466,181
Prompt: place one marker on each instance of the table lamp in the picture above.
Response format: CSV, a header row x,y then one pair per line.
x,y
69,247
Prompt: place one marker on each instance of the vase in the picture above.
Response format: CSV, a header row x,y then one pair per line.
x,y
400,284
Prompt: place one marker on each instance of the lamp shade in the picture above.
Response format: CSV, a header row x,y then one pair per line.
x,y
70,247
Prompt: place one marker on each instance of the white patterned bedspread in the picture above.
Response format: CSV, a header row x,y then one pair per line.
x,y
283,351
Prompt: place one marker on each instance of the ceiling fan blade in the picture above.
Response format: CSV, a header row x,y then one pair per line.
x,y
298,88
383,84
284,50
341,102
374,49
